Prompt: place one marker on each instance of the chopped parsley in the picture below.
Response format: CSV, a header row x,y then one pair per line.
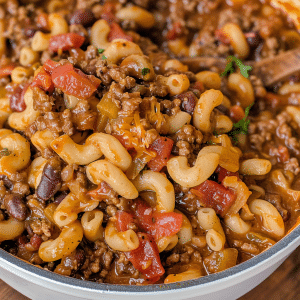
x,y
145,71
241,126
4,152
229,67
100,51
104,57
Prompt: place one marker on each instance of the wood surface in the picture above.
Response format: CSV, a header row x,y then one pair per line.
x,y
283,284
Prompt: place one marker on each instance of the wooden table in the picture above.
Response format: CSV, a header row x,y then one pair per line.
x,y
283,284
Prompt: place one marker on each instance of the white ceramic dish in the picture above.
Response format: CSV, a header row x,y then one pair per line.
x,y
38,284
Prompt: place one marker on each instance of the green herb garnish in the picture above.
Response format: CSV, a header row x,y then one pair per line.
x,y
145,71
241,126
229,67
4,152
104,57
100,50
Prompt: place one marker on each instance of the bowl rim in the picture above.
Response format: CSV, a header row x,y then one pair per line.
x,y
291,238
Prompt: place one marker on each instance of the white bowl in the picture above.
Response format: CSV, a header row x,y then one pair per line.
x,y
37,283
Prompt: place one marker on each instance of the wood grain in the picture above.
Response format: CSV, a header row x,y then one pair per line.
x,y
283,284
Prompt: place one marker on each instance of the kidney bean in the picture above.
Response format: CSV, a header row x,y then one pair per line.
x,y
188,101
51,180
60,197
35,242
85,17
30,31
8,184
15,207
253,39
16,99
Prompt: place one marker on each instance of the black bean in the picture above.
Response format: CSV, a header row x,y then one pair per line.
x,y
85,17
51,180
15,207
223,109
60,197
8,184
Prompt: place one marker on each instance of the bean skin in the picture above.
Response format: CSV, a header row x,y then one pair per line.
x,y
15,207
51,180
85,17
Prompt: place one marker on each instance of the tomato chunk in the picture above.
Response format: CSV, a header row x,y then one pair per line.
x,y
146,258
94,80
6,70
50,65
222,173
214,195
43,80
116,32
65,41
222,37
101,192
70,82
284,154
163,147
155,223
124,219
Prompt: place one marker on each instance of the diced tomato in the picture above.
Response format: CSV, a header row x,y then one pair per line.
x,y
43,80
277,101
116,32
222,173
100,193
6,70
70,82
236,113
124,219
284,154
222,37
50,65
175,32
163,147
214,195
146,258
156,223
65,41
95,81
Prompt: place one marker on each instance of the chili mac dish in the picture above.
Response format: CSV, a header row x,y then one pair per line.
x,y
118,164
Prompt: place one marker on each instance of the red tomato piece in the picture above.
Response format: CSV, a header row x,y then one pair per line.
x,y
95,81
214,195
116,32
124,219
70,82
101,192
236,113
222,173
146,258
155,223
50,65
43,80
163,147
65,41
6,70
175,32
